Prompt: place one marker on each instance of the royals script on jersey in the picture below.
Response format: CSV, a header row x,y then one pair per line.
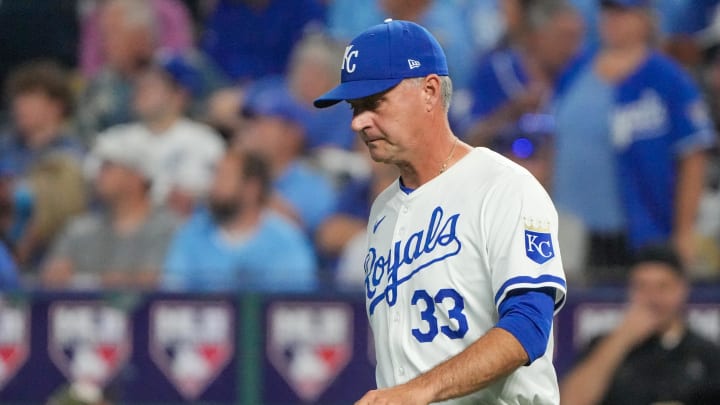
x,y
441,260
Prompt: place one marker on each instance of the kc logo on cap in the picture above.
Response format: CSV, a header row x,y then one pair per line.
x,y
347,64
391,52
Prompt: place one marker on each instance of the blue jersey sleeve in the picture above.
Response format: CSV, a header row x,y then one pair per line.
x,y
527,315
691,125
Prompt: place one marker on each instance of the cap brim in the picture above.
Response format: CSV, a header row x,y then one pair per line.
x,y
354,90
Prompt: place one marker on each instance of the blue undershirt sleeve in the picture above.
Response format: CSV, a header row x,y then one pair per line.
x,y
527,314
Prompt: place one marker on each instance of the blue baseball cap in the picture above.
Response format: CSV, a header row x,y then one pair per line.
x,y
381,57
625,3
181,71
268,98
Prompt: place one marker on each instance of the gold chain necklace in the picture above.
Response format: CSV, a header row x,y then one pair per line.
x,y
444,165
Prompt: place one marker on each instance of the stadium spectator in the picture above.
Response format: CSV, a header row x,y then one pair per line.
x,y
131,44
520,75
124,243
444,19
651,357
174,32
183,152
127,29
250,39
276,128
239,243
312,72
631,135
41,104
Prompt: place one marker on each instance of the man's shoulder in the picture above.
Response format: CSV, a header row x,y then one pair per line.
x,y
488,168
186,128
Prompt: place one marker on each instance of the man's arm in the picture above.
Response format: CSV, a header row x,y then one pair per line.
x,y
496,354
589,381
690,182
520,336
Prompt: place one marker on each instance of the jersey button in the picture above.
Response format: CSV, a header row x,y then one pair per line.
x,y
405,209
401,371
401,231
396,317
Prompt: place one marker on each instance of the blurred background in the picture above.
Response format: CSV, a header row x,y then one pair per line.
x,y
178,224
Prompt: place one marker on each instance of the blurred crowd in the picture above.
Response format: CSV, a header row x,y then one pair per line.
x,y
173,144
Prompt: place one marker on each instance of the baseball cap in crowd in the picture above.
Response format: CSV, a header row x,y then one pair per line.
x,y
626,3
181,70
273,99
123,149
381,57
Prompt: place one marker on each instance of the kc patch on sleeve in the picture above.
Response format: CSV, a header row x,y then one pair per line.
x,y
538,242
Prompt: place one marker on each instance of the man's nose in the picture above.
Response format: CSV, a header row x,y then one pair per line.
x,y
360,121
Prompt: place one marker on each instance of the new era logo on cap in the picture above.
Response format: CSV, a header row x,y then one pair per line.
x,y
381,57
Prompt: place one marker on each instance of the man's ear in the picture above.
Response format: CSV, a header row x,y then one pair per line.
x,y
431,88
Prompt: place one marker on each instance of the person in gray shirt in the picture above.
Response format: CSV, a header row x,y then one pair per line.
x,y
124,243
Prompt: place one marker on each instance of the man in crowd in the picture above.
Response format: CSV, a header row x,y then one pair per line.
x,y
184,152
239,243
276,130
123,244
651,357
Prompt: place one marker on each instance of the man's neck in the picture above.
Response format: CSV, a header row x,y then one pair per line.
x,y
130,212
163,123
441,152
673,334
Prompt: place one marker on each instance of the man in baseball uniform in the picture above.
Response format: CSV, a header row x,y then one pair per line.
x,y
463,271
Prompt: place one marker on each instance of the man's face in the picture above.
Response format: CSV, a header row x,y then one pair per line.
x,y
387,122
32,110
657,287
558,41
265,135
154,96
123,45
620,26
114,180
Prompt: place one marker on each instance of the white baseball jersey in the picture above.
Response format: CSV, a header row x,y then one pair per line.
x,y
441,260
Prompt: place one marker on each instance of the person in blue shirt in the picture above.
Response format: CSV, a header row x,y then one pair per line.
x,y
276,129
519,76
631,135
238,243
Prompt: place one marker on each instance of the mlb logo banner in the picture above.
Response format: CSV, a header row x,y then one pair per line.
x,y
14,340
191,342
88,340
309,344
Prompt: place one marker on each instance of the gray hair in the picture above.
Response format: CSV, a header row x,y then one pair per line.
x,y
135,14
446,90
540,13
